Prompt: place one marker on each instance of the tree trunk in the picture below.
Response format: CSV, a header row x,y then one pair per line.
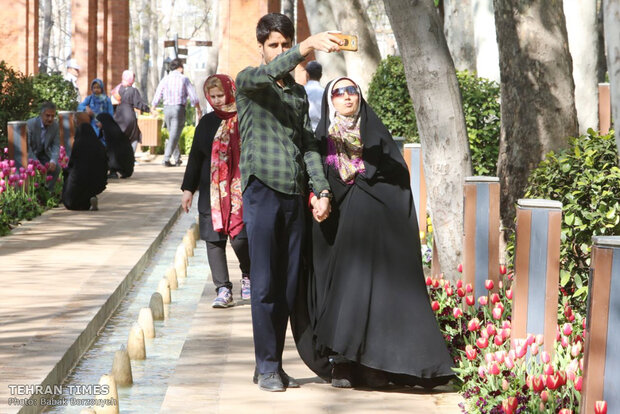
x,y
351,18
583,44
288,8
214,31
44,50
458,27
145,27
487,54
537,90
432,84
601,61
611,11
154,39
321,20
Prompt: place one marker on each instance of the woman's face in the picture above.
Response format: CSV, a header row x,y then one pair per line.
x,y
217,96
96,89
345,97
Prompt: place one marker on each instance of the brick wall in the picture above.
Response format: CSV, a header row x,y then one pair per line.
x,y
19,31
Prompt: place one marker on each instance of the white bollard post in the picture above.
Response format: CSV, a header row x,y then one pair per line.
x,y
164,290
145,320
107,403
135,345
121,368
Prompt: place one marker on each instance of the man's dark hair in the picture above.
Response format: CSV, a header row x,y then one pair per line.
x,y
175,64
47,105
315,70
274,22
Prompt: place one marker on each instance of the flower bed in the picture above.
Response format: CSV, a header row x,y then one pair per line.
x,y
24,194
500,375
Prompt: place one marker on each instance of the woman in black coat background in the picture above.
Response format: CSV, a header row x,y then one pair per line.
x,y
365,307
213,169
120,153
86,174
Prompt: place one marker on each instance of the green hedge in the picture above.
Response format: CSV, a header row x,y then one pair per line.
x,y
389,97
586,179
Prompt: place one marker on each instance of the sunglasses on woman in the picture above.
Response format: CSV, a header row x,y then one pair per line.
x,y
350,90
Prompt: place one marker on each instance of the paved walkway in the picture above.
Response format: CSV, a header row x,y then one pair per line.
x,y
65,272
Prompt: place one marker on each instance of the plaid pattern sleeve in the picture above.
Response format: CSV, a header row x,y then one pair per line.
x,y
277,143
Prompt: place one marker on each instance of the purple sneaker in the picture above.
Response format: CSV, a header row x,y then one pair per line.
x,y
224,298
245,288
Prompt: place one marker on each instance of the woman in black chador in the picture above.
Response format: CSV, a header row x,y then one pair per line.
x,y
86,174
120,153
366,309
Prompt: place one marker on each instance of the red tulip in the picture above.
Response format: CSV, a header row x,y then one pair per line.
x,y
498,340
469,288
563,377
578,383
429,281
494,369
482,342
460,292
471,352
473,325
509,405
490,328
494,298
435,305
509,294
553,381
488,284
460,268
502,269
600,407
449,291
435,283
567,329
457,312
538,384
548,369
459,283
470,300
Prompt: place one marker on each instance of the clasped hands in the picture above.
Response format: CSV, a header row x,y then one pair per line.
x,y
321,208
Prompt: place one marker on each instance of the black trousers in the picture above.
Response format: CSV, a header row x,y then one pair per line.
x,y
216,253
275,226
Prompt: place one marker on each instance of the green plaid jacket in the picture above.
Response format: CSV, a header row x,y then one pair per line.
x,y
277,143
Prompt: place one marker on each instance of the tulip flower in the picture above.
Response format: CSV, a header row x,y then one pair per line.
x,y
435,305
457,312
481,371
565,411
498,340
449,291
494,298
489,357
470,300
497,312
600,407
429,281
482,342
473,325
567,329
575,350
578,383
460,268
548,369
509,405
500,356
520,351
483,300
553,381
435,283
509,362
494,369
488,284
469,288
502,269
564,341
484,333
506,324
545,357
505,384
530,339
544,395
471,352
490,328
460,292
459,283
538,384
534,349
540,339
509,294
563,377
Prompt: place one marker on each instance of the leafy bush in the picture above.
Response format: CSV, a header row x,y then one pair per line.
x,y
586,179
187,138
54,88
17,98
389,97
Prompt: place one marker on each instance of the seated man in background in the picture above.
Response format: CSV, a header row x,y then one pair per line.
x,y
44,139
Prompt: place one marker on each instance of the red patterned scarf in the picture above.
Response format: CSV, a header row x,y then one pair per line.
x,y
226,196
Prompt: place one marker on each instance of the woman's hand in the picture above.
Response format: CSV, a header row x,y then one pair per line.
x,y
186,200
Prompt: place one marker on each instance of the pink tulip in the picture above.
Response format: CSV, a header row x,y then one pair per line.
x,y
520,351
575,350
565,411
509,362
494,369
48,178
506,324
459,283
469,288
505,384
564,341
530,339
470,300
489,357
471,352
545,357
498,340
567,329
544,395
500,356
509,294
457,312
534,349
600,407
563,377
497,312
578,383
494,298
460,268
490,328
509,405
484,333
502,269
481,371
435,305
488,284
482,342
540,339
473,325
483,300
548,369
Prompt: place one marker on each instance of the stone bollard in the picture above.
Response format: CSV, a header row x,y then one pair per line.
x,y
89,410
66,124
537,270
135,345
481,232
196,228
180,261
601,380
145,320
164,290
189,247
192,236
18,142
121,368
108,401
157,306
171,275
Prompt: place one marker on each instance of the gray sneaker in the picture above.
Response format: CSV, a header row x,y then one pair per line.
x,y
224,298
245,288
94,203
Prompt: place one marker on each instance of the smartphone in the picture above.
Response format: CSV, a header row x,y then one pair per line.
x,y
350,41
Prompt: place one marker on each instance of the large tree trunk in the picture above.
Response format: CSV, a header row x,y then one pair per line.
x,y
154,45
537,90
601,61
352,18
288,8
458,27
432,84
321,20
611,11
487,54
583,44
145,27
44,50
214,31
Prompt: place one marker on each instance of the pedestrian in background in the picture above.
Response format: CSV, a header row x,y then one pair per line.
x,y
314,91
175,89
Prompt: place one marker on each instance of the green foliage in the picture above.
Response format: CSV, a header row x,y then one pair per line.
x,y
482,113
389,97
187,138
586,179
54,88
17,98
